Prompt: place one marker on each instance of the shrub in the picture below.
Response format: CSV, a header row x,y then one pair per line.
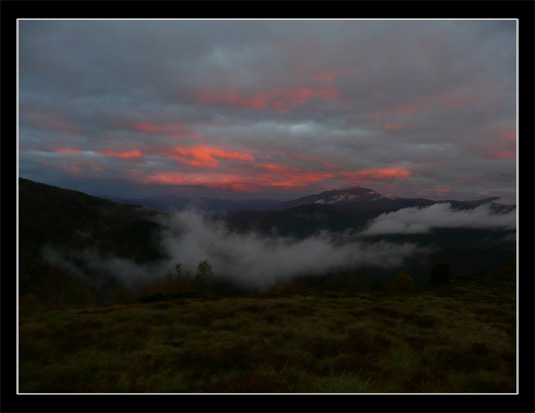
x,y
403,282
28,302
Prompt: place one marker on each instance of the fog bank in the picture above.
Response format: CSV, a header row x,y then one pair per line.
x,y
416,220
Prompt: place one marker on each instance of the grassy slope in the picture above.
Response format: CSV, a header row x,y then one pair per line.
x,y
458,338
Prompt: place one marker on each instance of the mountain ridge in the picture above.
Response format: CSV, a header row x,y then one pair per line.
x,y
365,199
358,199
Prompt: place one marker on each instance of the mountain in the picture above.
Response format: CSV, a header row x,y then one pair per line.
x,y
300,221
59,228
339,198
354,199
366,200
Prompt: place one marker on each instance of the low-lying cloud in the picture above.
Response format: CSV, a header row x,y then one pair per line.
x,y
255,260
417,220
248,259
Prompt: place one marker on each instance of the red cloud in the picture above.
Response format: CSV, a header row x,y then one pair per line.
x,y
177,131
368,175
207,156
290,175
69,150
511,137
228,182
502,147
395,126
123,155
501,154
228,98
58,123
277,99
327,77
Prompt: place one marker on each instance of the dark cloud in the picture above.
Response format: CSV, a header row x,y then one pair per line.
x,y
316,104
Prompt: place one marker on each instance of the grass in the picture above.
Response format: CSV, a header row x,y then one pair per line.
x,y
453,339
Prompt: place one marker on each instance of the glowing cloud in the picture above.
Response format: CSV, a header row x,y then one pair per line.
x,y
175,131
59,124
134,154
501,154
395,126
69,150
368,175
327,77
208,156
500,147
280,100
224,182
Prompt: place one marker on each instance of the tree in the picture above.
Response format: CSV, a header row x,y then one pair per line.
x,y
440,274
276,287
203,279
293,287
182,282
403,282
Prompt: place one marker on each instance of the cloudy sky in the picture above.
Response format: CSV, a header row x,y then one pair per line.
x,y
269,109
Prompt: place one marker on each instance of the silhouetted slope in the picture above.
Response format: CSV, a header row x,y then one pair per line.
x,y
73,221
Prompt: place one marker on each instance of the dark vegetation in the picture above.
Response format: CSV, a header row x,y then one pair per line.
x,y
437,326
72,221
458,338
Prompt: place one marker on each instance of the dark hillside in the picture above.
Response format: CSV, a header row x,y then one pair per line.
x,y
61,218
301,221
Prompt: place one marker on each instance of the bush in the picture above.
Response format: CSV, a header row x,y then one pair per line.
x,y
28,302
403,282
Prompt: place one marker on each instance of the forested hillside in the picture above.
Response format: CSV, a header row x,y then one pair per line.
x,y
52,218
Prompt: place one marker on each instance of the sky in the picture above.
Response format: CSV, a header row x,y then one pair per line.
x,y
252,109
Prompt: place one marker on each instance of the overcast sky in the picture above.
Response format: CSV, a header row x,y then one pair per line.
x,y
269,109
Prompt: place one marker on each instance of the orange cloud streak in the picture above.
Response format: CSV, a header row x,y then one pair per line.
x,y
123,155
176,131
69,150
327,77
502,147
367,175
395,126
277,99
208,156
501,154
